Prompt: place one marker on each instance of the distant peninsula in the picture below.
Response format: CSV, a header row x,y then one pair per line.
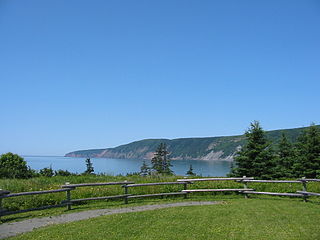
x,y
206,148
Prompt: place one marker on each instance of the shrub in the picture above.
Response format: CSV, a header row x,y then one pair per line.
x,y
14,166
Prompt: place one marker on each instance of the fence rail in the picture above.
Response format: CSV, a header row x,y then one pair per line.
x,y
7,194
270,181
67,185
157,195
218,190
33,193
309,193
99,198
275,194
126,185
310,180
212,179
70,187
126,190
154,184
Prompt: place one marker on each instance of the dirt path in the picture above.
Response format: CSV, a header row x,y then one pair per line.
x,y
15,228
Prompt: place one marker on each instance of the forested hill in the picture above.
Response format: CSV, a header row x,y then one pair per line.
x,y
208,148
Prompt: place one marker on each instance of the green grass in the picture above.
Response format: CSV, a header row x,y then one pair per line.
x,y
271,218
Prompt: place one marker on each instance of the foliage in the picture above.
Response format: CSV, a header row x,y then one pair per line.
x,y
47,172
14,166
284,159
256,158
144,169
63,173
160,162
89,165
300,159
307,162
190,171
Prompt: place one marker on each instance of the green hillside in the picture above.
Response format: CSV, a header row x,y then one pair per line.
x,y
208,148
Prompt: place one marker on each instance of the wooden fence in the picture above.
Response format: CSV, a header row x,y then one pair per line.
x,y
7,194
71,187
246,191
126,187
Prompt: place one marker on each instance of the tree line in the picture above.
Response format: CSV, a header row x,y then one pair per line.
x,y
261,158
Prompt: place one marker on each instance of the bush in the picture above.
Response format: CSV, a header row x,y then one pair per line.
x,y
47,172
14,166
63,173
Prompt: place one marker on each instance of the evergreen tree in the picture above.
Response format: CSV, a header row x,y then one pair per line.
x,y
160,162
144,169
190,171
307,162
284,159
89,165
256,158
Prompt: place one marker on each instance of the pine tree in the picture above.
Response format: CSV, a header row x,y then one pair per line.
x,y
144,169
284,159
160,162
90,169
190,171
308,153
256,158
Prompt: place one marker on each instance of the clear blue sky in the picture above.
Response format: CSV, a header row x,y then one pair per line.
x,y
95,74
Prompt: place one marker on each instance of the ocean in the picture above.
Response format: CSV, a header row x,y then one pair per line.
x,y
125,166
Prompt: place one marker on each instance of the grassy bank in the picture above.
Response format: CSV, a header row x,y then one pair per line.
x,y
236,219
46,183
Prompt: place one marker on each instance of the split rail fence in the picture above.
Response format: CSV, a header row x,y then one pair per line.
x,y
126,185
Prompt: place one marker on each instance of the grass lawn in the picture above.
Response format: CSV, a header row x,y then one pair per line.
x,y
256,218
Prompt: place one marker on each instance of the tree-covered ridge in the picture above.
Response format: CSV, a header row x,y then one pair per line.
x,y
207,148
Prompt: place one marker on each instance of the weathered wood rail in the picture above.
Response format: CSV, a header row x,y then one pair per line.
x,y
71,187
218,190
213,179
7,194
241,190
126,185
246,191
304,194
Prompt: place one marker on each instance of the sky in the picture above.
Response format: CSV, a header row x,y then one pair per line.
x,y
82,74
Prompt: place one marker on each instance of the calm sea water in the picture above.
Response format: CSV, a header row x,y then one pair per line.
x,y
124,166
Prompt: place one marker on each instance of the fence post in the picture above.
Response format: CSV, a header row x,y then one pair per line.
x,y
125,193
304,188
2,193
68,195
185,188
245,186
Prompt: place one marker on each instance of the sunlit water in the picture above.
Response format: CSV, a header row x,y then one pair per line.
x,y
124,166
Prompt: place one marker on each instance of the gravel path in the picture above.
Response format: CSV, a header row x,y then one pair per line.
x,y
15,228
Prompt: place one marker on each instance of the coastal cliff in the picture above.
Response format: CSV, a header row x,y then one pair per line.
x,y
208,148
